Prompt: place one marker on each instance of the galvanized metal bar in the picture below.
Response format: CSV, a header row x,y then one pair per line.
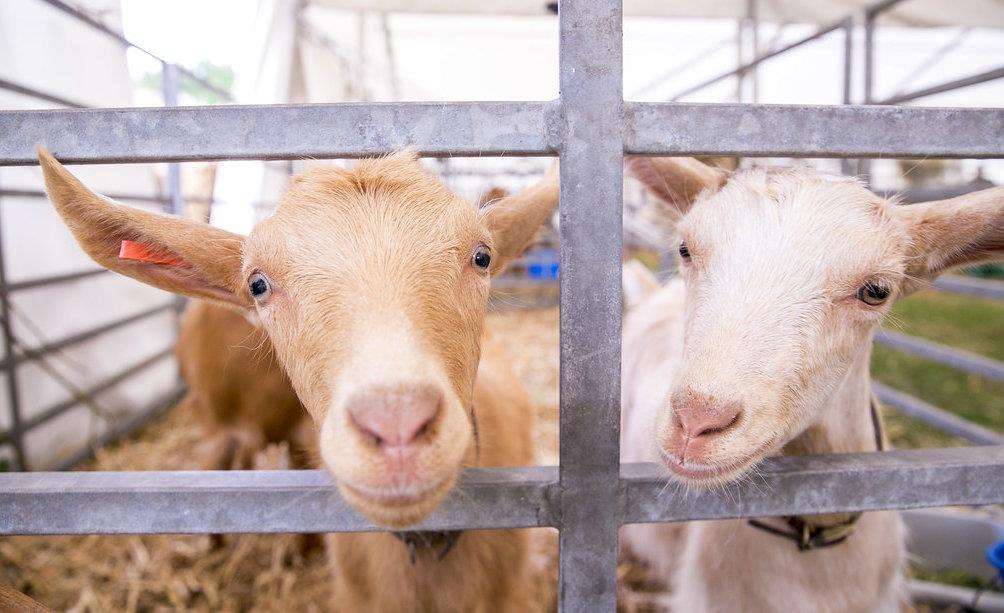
x,y
847,165
837,483
813,131
86,335
155,409
63,406
933,416
742,69
31,92
949,356
176,205
10,366
150,502
54,279
250,501
276,131
976,79
984,288
591,209
37,193
100,27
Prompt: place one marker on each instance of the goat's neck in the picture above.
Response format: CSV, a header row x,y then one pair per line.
x,y
846,423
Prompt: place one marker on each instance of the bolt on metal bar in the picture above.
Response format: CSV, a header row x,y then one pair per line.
x,y
776,130
61,407
24,90
833,483
744,68
976,79
54,279
86,335
949,356
155,409
939,418
277,132
10,366
97,25
151,502
984,288
591,209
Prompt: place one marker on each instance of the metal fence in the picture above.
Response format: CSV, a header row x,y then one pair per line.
x,y
590,127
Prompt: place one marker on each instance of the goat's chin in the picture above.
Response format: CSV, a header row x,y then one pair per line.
x,y
695,473
395,509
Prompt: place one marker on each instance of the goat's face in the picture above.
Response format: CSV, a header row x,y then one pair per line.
x,y
372,285
787,275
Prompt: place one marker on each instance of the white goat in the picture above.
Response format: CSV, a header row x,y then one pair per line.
x,y
762,347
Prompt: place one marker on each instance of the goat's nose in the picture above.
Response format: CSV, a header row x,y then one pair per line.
x,y
395,416
700,415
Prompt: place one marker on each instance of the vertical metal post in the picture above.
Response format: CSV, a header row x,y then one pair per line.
x,y
176,205
865,165
740,57
753,19
13,392
592,153
847,165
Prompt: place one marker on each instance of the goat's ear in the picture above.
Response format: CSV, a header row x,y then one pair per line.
x,y
174,254
948,233
514,220
639,283
675,181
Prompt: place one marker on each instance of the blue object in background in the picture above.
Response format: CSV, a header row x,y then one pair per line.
x,y
542,264
995,555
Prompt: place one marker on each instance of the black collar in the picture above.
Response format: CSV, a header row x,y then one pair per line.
x,y
441,542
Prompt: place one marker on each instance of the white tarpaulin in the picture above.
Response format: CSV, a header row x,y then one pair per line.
x,y
921,13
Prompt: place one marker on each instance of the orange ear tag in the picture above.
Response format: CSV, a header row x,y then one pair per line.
x,y
140,252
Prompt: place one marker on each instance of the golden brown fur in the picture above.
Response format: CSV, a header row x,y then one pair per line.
x,y
372,289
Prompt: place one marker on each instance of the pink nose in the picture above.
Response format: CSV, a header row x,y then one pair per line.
x,y
700,415
395,416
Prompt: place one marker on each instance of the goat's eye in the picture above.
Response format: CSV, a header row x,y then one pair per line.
x,y
873,294
260,287
482,257
684,251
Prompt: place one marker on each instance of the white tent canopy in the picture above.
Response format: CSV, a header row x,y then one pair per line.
x,y
918,13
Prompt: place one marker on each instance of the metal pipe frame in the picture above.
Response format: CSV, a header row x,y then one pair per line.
x,y
199,502
590,128
9,365
739,71
162,200
100,27
31,92
65,405
955,358
348,130
976,79
983,288
932,415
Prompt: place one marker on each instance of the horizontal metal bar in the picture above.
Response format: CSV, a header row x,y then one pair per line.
x,y
821,32
31,92
61,407
976,79
86,335
276,131
516,128
104,29
933,416
54,279
984,288
949,356
953,597
155,409
37,193
249,501
927,194
814,131
807,485
306,501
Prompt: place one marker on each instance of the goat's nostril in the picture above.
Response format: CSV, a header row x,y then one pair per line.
x,y
395,417
706,421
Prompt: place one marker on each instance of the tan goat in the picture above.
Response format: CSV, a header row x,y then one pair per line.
x,y
372,286
762,348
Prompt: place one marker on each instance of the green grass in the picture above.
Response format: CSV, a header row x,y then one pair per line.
x,y
964,322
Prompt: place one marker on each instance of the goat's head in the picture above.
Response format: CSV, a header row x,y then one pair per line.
x,y
788,273
371,284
